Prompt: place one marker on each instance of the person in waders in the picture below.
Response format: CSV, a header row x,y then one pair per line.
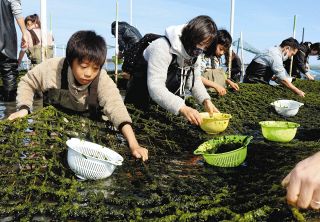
x,y
79,83
269,66
34,42
170,67
10,9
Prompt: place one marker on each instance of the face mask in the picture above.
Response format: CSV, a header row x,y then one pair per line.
x,y
285,56
196,52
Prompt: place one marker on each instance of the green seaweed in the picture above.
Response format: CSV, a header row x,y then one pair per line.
x,y
174,185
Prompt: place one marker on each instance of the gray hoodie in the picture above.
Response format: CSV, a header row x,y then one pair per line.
x,y
159,56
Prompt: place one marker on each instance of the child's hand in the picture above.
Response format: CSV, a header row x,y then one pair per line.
x,y
140,152
18,114
234,86
220,90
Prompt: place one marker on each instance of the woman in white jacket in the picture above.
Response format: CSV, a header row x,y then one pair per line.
x,y
173,67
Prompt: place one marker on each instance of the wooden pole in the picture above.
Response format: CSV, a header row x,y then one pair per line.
x,y
231,33
117,47
130,12
242,58
43,18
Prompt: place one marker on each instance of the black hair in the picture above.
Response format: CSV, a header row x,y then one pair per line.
x,y
293,43
113,26
34,19
197,30
315,46
86,45
223,38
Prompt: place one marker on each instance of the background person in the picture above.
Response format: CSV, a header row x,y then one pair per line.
x,y
10,9
269,66
300,63
34,42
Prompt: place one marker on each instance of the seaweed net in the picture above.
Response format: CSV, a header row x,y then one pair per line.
x,y
37,184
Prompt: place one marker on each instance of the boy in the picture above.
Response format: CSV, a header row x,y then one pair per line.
x,y
69,83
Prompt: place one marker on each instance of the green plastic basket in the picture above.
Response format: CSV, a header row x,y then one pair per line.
x,y
228,159
279,131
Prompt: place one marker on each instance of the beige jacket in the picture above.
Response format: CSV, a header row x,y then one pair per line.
x,y
47,75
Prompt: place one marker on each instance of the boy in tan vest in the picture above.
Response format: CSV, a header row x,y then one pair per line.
x,y
79,83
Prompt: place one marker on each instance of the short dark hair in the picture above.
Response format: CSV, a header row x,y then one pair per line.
x,y
86,45
197,30
293,43
113,26
315,46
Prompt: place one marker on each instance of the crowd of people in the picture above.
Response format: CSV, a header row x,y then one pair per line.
x,y
162,70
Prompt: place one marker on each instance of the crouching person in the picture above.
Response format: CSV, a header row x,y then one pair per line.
x,y
170,67
269,66
78,83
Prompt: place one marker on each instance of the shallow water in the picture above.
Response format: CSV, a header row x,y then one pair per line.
x,y
6,108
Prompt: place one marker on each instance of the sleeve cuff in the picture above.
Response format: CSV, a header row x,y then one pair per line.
x,y
25,107
121,125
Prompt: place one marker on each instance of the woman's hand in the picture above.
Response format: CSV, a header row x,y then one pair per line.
x,y
209,107
303,183
18,114
191,115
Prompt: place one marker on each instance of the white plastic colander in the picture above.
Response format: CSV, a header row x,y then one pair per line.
x,y
90,160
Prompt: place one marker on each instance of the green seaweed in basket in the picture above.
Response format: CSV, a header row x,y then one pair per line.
x,y
227,147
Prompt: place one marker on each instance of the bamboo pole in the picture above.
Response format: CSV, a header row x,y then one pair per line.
x,y
231,33
242,58
117,47
130,12
294,36
43,18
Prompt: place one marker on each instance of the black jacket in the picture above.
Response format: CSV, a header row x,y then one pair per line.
x,y
127,35
300,60
8,34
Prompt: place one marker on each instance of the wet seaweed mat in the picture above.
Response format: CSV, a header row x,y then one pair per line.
x,y
37,184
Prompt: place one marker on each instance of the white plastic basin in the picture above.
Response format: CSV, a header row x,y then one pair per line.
x,y
286,108
90,160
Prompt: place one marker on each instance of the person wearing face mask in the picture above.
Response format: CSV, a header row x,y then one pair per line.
x,y
300,63
172,68
269,66
214,77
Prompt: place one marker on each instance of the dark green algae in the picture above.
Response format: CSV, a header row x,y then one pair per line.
x,y
174,185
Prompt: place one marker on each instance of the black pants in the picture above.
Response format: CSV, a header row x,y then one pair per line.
x,y
137,92
257,73
9,73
